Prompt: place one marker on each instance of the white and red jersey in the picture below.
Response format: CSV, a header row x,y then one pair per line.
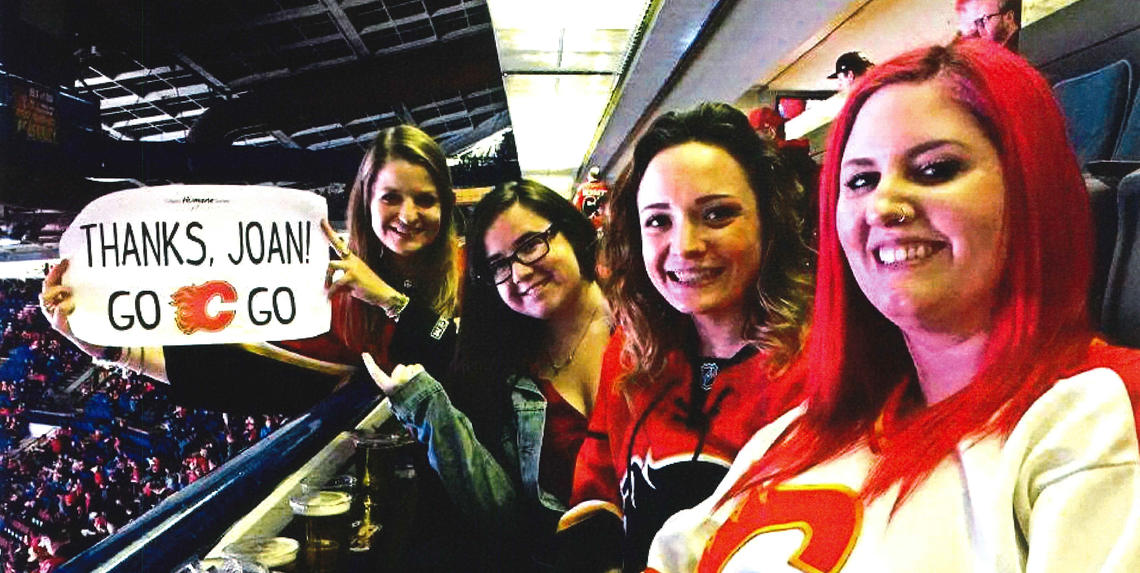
x,y
1060,493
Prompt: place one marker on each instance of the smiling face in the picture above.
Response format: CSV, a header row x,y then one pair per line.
x,y
544,287
405,207
914,152
700,230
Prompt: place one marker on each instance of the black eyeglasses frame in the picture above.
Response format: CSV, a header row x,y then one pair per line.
x,y
503,266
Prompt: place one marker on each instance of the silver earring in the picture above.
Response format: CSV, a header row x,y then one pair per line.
x,y
900,215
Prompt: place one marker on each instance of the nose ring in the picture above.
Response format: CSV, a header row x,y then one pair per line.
x,y
899,215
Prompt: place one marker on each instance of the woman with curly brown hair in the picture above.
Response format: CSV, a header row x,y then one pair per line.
x,y
710,296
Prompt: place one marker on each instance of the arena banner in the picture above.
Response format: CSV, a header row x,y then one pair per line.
x,y
198,264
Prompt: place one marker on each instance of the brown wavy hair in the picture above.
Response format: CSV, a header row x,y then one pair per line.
x,y
777,311
435,274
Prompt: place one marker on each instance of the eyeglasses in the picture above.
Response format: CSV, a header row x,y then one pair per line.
x,y
980,23
530,251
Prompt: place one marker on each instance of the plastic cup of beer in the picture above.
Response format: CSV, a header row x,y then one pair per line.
x,y
276,553
327,523
383,454
362,535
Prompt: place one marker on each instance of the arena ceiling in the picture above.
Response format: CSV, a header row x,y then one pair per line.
x,y
303,74
284,92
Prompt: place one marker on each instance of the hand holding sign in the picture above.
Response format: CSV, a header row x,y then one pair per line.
x,y
56,302
356,276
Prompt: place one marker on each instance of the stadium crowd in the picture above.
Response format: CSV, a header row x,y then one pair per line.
x,y
114,447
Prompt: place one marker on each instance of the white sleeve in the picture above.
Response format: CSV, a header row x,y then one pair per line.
x,y
1086,522
1077,499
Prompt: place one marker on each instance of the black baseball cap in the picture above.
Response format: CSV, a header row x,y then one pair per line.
x,y
851,62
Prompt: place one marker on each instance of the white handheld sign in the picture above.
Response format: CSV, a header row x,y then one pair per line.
x,y
198,264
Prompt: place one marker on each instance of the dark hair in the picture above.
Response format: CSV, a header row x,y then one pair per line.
x,y
1015,6
437,275
496,342
776,314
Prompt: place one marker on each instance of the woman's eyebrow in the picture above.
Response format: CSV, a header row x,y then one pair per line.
x,y
858,162
525,237
717,197
932,145
492,257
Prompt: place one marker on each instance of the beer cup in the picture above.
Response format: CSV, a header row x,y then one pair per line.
x,y
383,455
326,520
276,553
361,538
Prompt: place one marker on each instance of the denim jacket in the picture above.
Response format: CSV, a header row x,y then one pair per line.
x,y
496,497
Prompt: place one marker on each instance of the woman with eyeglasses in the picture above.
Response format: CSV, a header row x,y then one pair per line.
x,y
505,434
710,297
393,293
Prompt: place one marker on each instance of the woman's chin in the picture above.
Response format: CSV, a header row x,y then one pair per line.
x,y
404,248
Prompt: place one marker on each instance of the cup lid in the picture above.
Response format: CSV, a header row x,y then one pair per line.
x,y
221,565
321,503
343,482
268,551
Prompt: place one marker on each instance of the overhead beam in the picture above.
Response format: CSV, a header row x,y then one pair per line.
x,y
219,86
357,89
346,28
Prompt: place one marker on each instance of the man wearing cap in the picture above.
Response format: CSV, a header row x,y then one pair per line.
x,y
996,20
848,67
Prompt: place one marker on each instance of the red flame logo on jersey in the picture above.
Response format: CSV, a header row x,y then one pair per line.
x,y
191,302
830,516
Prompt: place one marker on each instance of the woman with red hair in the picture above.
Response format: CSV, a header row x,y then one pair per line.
x,y
962,416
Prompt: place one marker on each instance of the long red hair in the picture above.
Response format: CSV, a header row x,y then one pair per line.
x,y
861,378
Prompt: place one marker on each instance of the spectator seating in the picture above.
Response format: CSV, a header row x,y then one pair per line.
x,y
1120,318
1095,105
1102,199
1102,109
1128,147
121,446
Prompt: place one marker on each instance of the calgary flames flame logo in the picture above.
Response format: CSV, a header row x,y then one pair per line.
x,y
191,302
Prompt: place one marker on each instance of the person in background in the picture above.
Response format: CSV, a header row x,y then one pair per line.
x,y
791,107
768,123
849,66
505,433
963,414
400,262
711,302
590,198
797,155
995,20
